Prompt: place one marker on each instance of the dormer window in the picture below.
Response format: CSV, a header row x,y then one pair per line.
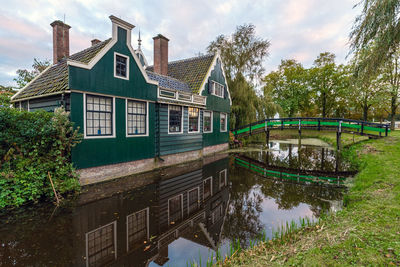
x,y
121,66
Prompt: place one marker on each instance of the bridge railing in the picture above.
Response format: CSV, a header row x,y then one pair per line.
x,y
338,124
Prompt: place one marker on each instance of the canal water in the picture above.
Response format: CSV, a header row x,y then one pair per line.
x,y
176,215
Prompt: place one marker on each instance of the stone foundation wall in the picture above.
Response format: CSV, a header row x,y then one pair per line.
x,y
109,172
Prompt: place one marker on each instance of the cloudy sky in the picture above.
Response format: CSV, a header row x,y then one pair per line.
x,y
299,29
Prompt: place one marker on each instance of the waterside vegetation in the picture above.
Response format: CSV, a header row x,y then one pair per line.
x,y
365,232
35,150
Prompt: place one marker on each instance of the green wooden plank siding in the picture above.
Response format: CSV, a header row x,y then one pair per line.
x,y
100,79
217,105
177,142
103,151
216,137
178,185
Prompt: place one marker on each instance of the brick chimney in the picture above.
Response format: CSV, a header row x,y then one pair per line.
x,y
161,54
60,40
95,42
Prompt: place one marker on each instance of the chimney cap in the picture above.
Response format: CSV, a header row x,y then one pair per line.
x,y
95,41
160,36
60,23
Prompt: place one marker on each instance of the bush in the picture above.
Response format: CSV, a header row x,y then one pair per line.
x,y
33,145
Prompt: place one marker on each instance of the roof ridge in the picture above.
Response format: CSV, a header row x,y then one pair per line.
x,y
166,76
191,58
187,59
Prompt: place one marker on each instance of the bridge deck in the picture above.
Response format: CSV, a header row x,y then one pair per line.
x,y
315,177
373,130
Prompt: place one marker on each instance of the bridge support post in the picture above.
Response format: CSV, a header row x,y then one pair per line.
x,y
338,140
299,134
267,138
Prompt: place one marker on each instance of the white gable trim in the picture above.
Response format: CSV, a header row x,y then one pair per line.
x,y
34,79
212,66
100,55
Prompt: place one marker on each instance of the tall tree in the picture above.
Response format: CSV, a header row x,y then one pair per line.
x,y
288,87
390,78
326,81
25,76
243,54
366,89
378,24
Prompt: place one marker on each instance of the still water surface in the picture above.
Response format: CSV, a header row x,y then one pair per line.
x,y
172,217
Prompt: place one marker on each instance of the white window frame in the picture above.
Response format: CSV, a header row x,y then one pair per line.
x,y
183,112
127,228
84,118
115,66
213,89
169,223
224,171
212,122
126,119
211,186
226,122
198,121
198,199
115,240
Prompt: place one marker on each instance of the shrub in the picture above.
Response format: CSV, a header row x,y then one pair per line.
x,y
33,144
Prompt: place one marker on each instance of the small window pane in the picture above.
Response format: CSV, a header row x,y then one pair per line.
x,y
120,66
207,116
136,117
175,119
193,119
98,116
223,122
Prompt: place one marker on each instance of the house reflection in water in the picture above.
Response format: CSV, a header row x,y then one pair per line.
x,y
136,227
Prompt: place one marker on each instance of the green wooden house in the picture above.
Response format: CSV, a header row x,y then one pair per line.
x,y
133,117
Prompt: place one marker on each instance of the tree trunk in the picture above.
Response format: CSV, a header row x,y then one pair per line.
x,y
323,105
365,112
393,108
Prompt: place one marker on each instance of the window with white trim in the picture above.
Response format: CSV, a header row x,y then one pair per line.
x,y
207,122
222,178
175,119
193,200
121,66
223,122
137,228
99,114
175,209
194,119
136,117
101,247
218,89
207,188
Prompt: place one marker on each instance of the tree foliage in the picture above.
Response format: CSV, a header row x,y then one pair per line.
x,y
25,76
33,144
328,83
377,25
288,87
243,54
6,92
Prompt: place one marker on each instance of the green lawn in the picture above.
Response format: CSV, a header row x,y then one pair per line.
x,y
365,232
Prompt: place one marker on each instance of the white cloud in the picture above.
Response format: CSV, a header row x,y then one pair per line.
x,y
296,28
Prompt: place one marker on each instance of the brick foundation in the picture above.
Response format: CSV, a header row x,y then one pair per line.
x,y
113,171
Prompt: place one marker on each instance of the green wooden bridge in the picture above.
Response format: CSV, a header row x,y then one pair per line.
x,y
339,125
335,178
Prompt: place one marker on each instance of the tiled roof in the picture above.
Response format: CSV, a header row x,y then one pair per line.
x,y
55,79
168,82
192,71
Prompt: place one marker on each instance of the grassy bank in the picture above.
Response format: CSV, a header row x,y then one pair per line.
x,y
365,232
